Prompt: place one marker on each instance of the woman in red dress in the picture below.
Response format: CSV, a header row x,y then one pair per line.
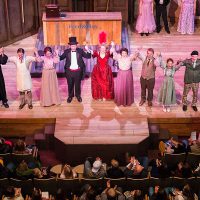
x,y
102,78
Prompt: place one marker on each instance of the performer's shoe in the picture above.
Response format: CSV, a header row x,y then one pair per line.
x,y
150,103
184,108
141,34
147,34
6,105
30,106
167,31
21,106
194,108
69,99
79,99
158,30
141,102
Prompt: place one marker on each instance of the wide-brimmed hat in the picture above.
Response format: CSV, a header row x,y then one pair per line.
x,y
72,41
96,166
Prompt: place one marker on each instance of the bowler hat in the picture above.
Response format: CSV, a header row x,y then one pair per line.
x,y
72,40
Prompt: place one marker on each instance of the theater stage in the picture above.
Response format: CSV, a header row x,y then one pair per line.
x,y
97,122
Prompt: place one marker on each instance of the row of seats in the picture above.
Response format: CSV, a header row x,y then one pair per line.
x,y
74,185
17,158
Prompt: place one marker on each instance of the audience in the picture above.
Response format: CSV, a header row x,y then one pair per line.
x,y
67,172
96,170
114,171
112,193
134,169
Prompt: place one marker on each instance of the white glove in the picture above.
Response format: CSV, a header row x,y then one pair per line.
x,y
88,50
112,44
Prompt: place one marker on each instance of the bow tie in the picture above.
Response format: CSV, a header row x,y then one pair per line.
x,y
73,51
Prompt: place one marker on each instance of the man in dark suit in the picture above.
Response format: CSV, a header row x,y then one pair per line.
x,y
3,97
161,9
191,79
74,68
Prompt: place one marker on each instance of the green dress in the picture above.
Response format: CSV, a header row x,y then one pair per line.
x,y
167,93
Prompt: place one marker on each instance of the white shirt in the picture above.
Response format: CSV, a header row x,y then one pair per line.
x,y
24,81
194,63
74,64
161,2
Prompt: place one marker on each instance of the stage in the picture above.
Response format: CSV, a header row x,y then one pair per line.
x,y
102,122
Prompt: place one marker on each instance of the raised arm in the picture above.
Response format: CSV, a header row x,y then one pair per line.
x,y
63,56
140,56
56,58
85,54
12,59
38,58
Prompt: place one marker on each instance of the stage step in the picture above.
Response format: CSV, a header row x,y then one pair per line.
x,y
95,131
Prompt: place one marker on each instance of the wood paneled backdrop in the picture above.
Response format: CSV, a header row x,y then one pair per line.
x,y
18,19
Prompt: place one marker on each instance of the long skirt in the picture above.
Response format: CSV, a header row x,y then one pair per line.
x,y
167,94
124,92
49,89
102,82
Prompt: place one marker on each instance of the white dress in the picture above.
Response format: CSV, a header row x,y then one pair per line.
x,y
24,81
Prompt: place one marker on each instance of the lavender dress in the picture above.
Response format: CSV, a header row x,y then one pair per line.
x,y
186,17
146,22
123,90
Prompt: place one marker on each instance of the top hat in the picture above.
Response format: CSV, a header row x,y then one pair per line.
x,y
195,53
72,40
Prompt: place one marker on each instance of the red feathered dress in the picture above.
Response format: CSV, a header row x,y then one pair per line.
x,y
102,78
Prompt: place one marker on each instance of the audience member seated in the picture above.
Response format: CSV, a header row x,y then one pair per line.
x,y
96,170
23,171
194,145
5,146
134,195
172,147
12,193
3,169
88,193
158,193
112,193
185,194
159,169
20,147
134,169
114,171
67,172
183,170
196,171
36,195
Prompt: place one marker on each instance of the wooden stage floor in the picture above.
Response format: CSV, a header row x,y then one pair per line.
x,y
95,122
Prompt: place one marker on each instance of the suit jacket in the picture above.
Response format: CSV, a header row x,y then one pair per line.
x,y
80,55
165,2
192,75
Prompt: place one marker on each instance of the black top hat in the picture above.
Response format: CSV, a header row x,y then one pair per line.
x,y
72,40
195,53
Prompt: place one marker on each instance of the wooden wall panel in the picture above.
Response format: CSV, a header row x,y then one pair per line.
x,y
113,6
30,15
85,26
3,22
15,18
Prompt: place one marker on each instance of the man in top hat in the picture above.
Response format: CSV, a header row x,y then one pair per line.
x,y
191,79
74,68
